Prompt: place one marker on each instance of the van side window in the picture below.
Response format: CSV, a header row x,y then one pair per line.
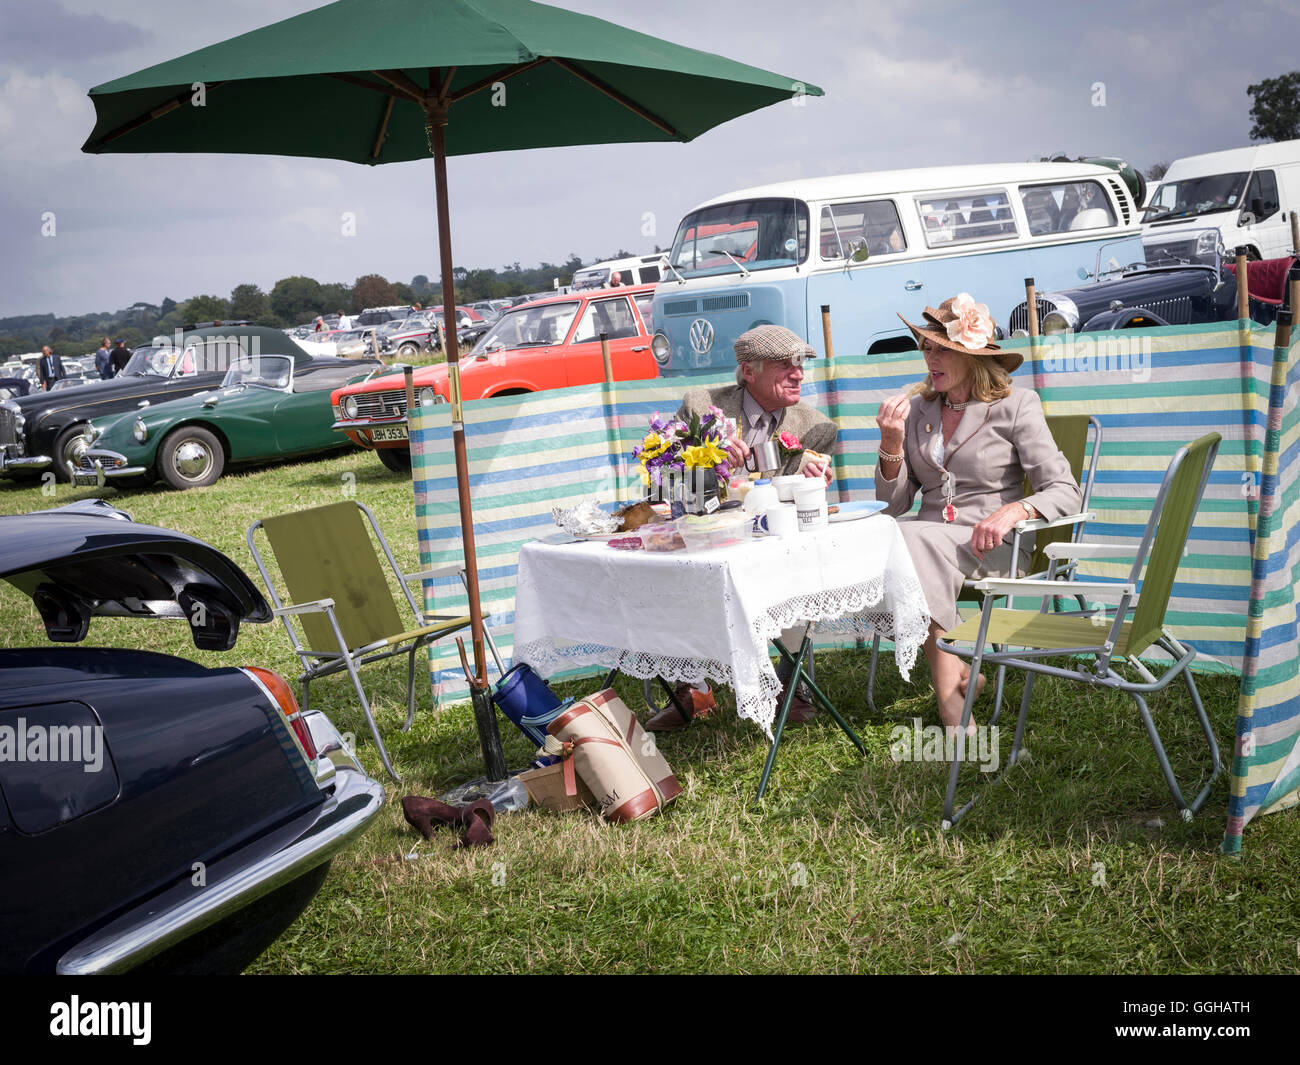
x,y
845,225
1066,206
963,217
649,274
1263,186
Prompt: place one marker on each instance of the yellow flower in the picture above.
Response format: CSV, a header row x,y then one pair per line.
x,y
705,455
652,447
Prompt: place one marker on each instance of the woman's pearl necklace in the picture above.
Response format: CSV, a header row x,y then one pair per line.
x,y
954,406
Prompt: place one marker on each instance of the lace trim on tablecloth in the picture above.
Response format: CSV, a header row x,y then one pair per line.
x,y
755,695
845,610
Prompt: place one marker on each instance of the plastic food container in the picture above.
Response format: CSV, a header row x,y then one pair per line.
x,y
716,530
786,484
661,537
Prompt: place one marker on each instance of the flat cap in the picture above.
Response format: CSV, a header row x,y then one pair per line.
x,y
774,342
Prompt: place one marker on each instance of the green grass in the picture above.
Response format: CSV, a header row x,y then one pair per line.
x,y
843,868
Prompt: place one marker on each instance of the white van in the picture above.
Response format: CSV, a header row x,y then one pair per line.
x,y
870,245
638,270
1247,193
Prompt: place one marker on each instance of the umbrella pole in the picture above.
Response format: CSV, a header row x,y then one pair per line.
x,y
484,713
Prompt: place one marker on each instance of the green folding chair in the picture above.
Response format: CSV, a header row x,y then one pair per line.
x,y
341,596
1098,642
1079,437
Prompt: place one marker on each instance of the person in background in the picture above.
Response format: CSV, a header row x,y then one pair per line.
x,y
319,325
104,360
764,403
119,356
344,321
50,368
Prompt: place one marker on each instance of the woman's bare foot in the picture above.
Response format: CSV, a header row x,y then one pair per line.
x,y
979,685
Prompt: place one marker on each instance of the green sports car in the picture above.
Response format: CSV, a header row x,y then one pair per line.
x,y
268,407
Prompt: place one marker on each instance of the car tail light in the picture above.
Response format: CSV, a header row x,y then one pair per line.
x,y
280,691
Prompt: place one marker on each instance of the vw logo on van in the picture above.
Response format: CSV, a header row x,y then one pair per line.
x,y
701,336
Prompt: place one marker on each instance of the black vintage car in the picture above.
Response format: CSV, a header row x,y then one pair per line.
x,y
155,815
46,430
1159,292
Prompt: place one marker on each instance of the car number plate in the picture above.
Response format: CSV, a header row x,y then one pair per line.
x,y
388,432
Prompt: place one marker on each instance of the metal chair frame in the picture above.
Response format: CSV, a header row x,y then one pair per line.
x,y
1115,643
320,663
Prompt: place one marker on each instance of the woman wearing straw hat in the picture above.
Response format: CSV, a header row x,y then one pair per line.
x,y
966,438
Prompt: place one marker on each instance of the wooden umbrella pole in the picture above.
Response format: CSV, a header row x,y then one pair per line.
x,y
437,120
1295,233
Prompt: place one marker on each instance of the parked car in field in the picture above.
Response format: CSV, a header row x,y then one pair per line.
x,y
46,429
414,334
1161,291
163,816
269,407
551,343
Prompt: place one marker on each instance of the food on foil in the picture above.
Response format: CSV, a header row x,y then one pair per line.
x,y
585,519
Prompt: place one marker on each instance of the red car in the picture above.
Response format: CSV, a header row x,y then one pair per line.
x,y
549,343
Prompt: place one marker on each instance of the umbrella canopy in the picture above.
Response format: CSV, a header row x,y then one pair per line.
x,y
385,81
349,81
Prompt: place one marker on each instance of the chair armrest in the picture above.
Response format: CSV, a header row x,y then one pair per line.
x,y
1085,550
316,606
1065,589
1034,524
447,569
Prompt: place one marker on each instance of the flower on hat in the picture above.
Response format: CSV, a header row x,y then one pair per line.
x,y
973,326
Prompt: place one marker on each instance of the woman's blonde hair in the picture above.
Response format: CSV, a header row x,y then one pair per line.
x,y
988,380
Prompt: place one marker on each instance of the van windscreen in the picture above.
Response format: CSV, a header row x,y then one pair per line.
x,y
759,234
1196,196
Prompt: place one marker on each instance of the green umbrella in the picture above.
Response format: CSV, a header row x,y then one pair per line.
x,y
384,81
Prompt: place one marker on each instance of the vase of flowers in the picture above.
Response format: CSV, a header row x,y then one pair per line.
x,y
685,462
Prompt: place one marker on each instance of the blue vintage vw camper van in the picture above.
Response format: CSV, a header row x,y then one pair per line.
x,y
872,245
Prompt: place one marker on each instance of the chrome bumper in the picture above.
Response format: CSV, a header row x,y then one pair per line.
x,y
22,462
367,423
351,802
104,466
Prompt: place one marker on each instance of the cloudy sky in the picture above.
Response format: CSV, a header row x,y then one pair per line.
x,y
936,83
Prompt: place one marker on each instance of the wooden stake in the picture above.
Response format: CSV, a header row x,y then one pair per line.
x,y
1243,285
1031,304
826,330
604,354
1295,233
1283,329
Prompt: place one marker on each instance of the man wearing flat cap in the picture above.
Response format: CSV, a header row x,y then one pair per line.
x,y
764,403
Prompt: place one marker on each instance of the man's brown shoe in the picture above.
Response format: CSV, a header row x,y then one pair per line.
x,y
801,709
697,702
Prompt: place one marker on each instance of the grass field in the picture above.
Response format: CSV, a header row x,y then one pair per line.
x,y
1077,863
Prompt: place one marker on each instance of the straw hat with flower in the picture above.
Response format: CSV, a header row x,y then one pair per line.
x,y
961,324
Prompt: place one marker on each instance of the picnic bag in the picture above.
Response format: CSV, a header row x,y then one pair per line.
x,y
527,700
601,741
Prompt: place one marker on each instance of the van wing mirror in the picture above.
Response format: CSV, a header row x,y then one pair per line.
x,y
858,251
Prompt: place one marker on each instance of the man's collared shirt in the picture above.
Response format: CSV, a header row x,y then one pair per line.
x,y
759,425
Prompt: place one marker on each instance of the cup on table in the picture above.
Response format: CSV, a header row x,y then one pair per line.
x,y
810,502
780,520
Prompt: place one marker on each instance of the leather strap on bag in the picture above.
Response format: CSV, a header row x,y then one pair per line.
x,y
563,749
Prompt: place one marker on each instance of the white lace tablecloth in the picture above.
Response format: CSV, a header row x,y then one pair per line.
x,y
692,616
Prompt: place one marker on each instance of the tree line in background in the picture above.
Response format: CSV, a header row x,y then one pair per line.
x,y
292,301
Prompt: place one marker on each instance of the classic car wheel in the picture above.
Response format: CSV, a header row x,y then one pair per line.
x,y
191,457
68,447
397,459
409,350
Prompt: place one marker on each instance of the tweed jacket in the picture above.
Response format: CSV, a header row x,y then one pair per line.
x,y
995,447
811,426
